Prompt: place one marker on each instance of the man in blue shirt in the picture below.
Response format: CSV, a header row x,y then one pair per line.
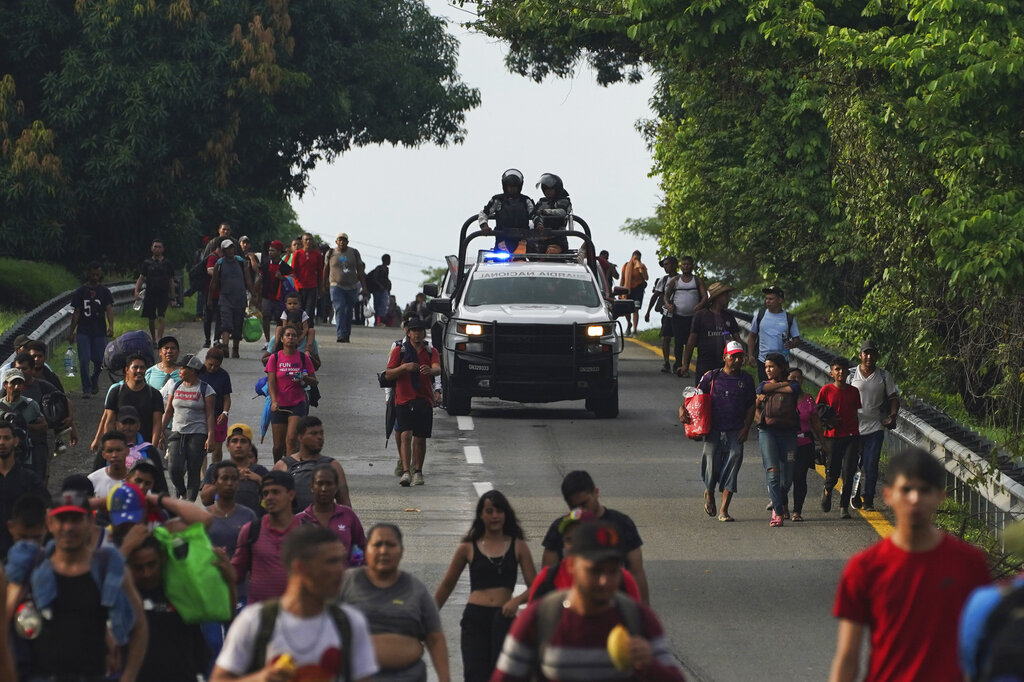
x,y
772,330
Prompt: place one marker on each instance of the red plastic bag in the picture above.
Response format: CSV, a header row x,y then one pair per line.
x,y
698,408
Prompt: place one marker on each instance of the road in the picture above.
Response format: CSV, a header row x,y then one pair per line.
x,y
739,601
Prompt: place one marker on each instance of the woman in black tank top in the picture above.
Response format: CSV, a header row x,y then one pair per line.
x,y
494,548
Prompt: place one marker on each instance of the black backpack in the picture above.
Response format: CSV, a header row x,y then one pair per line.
x,y
16,417
1000,652
198,276
55,409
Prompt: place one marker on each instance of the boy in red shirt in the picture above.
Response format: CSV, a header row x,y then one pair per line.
x,y
909,588
842,435
413,366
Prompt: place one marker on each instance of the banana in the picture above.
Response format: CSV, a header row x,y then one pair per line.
x,y
618,648
285,662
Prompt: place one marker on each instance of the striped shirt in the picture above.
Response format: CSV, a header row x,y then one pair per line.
x,y
578,650
263,560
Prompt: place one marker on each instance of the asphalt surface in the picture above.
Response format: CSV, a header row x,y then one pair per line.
x,y
739,601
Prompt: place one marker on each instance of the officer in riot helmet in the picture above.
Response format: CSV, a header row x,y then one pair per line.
x,y
512,212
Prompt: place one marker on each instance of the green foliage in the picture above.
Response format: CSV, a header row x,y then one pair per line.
x,y
434,275
26,284
164,117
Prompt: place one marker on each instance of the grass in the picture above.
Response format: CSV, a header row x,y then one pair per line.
x,y
8,318
26,284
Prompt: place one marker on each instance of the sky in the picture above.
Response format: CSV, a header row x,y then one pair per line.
x,y
410,203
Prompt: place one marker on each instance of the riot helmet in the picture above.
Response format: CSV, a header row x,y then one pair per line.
x,y
512,178
550,181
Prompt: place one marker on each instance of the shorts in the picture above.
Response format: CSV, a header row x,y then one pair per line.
x,y
283,412
230,319
637,293
416,416
271,309
220,431
666,327
154,304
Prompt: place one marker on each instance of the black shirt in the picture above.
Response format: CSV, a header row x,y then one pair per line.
x,y
158,274
91,303
176,652
146,401
629,536
73,642
18,481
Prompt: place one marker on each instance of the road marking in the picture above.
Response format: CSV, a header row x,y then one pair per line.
x,y
465,423
473,454
482,487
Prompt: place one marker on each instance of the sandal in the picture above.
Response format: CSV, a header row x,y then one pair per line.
x,y
797,517
725,518
709,505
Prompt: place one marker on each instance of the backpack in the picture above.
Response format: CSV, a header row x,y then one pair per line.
x,y
550,611
198,276
115,355
1000,654
789,320
269,611
15,416
780,410
301,472
55,409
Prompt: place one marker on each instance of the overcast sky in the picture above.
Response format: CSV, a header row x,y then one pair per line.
x,y
411,202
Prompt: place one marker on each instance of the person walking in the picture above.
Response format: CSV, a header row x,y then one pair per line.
x,y
879,407
683,293
403,617
841,402
907,590
232,279
657,303
379,282
300,466
340,519
92,323
309,273
289,372
134,392
413,366
157,276
167,368
217,378
772,330
16,481
778,425
191,416
713,326
228,515
495,550
634,278
810,429
345,273
270,282
732,413
258,548
241,453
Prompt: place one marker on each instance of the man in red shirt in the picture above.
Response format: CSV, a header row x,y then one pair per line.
x,y
308,265
258,551
842,435
413,366
908,589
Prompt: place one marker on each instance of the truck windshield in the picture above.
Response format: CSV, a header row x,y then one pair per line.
x,y
532,289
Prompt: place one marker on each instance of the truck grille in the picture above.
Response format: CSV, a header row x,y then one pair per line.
x,y
526,352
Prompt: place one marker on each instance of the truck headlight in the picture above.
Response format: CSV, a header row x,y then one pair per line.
x,y
474,330
595,330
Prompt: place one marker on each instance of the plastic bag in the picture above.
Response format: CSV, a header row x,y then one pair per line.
x,y
697,404
192,582
252,329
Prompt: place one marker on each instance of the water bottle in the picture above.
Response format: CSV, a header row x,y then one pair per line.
x,y
138,304
27,621
69,362
855,490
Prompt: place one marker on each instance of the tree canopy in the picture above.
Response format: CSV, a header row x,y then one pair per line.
x,y
867,153
124,120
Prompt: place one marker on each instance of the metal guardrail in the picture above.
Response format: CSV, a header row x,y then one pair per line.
x,y
51,321
994,494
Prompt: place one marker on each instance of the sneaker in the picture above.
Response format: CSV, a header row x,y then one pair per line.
x,y
339,340
95,388
844,512
826,501
417,478
405,480
666,369
855,502
776,521
869,504
234,353
206,344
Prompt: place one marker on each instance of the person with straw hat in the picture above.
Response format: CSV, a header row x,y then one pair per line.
x,y
713,326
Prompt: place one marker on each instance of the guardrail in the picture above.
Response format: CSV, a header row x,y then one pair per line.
x,y
992,493
51,321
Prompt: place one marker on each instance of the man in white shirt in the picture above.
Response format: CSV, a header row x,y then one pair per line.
x,y
114,448
300,635
880,404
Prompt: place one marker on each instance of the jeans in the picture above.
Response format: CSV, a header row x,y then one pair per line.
x,y
871,452
778,454
187,451
483,631
344,301
721,459
90,348
380,304
842,461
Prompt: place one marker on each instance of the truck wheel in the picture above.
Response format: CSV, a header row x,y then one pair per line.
x,y
457,405
605,406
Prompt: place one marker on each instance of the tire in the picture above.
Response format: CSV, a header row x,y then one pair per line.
x,y
457,405
606,405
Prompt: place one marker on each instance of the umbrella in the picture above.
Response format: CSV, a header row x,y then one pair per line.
x,y
389,415
262,390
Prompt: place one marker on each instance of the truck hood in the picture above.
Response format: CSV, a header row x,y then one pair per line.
x,y
526,313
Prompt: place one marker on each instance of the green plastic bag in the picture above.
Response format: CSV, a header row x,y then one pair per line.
x,y
192,582
252,329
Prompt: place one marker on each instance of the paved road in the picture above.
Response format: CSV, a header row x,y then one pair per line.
x,y
740,601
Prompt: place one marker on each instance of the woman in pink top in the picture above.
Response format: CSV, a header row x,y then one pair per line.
x,y
810,426
289,372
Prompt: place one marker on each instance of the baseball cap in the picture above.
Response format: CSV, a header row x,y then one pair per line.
x,y
668,259
14,375
166,340
243,238
191,361
126,504
596,541
577,515
343,235
774,289
279,478
277,244
415,323
226,243
240,430
128,413
70,500
868,344
20,340
734,347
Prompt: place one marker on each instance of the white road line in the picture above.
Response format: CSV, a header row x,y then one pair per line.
x,y
465,423
473,454
482,487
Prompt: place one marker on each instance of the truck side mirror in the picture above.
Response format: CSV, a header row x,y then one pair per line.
x,y
440,305
430,290
622,308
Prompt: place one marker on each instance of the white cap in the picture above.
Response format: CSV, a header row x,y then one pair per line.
x,y
226,243
734,347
